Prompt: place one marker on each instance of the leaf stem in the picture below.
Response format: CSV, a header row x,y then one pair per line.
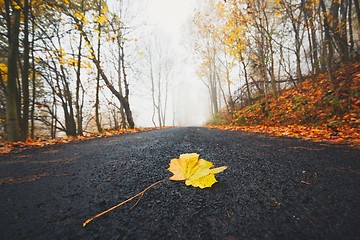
x,y
122,203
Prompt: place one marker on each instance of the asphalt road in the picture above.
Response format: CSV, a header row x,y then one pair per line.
x,y
274,188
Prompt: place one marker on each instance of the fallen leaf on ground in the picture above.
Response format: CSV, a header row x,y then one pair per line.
x,y
188,168
5,149
196,172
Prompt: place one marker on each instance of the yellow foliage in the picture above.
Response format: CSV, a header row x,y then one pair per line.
x,y
195,172
81,17
233,27
86,64
104,11
72,62
3,71
16,6
101,19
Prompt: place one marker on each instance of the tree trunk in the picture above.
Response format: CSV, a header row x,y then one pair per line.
x,y
343,42
122,112
351,36
152,90
97,105
124,101
79,116
69,112
78,85
297,53
213,91
67,104
25,74
33,76
159,98
338,30
97,101
247,83
12,107
53,118
314,51
327,43
165,101
357,10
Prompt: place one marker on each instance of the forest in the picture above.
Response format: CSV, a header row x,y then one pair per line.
x,y
58,58
268,46
296,66
179,119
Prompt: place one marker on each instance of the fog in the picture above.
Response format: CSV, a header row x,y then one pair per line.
x,y
168,22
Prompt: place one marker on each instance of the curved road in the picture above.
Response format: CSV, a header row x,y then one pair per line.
x,y
274,188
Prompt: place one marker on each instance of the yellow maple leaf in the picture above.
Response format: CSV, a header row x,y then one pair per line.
x,y
188,167
196,172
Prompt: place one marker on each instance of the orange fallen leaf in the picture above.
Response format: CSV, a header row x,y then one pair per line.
x,y
5,149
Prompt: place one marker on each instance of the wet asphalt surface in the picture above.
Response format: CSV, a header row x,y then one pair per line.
x,y
274,188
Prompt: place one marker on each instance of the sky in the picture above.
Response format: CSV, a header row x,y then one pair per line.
x,y
170,15
189,98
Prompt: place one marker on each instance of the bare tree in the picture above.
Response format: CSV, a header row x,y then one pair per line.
x,y
159,68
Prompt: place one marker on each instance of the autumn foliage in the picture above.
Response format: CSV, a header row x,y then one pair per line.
x,y
315,109
6,147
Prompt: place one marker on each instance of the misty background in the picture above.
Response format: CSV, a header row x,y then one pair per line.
x,y
165,26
